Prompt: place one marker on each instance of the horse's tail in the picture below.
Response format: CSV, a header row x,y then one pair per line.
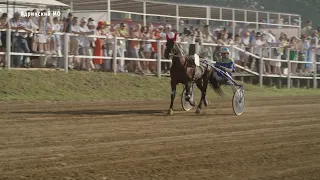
x,y
215,86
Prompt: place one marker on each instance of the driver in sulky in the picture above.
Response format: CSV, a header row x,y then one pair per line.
x,y
226,64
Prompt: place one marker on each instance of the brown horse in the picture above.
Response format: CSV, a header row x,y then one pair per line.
x,y
185,71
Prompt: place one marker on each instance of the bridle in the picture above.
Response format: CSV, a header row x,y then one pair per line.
x,y
176,49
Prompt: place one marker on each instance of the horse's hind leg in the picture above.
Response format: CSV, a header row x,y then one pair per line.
x,y
173,95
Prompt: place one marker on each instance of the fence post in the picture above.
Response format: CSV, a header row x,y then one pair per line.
x,y
314,70
261,68
8,48
159,58
289,69
261,72
114,59
66,51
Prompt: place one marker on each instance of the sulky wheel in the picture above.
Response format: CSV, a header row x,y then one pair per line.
x,y
238,101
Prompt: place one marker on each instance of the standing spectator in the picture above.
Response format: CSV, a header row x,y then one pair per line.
x,y
257,44
108,44
229,39
284,44
236,55
86,43
293,54
147,50
57,39
170,35
19,40
245,45
265,54
304,46
135,47
68,23
3,25
74,45
307,30
98,47
122,32
42,36
207,38
156,36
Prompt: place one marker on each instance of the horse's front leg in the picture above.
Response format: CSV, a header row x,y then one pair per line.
x,y
204,91
173,95
200,86
189,91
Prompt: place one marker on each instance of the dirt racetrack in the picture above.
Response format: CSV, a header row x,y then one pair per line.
x,y
276,138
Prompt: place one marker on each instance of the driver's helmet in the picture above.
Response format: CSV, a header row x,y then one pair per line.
x,y
225,50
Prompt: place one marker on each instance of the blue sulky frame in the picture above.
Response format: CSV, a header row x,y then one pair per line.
x,y
238,90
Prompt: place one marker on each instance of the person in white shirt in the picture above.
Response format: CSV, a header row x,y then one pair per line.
x,y
19,40
257,49
245,45
57,39
85,44
74,44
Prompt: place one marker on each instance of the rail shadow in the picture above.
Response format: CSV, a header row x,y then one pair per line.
x,y
96,112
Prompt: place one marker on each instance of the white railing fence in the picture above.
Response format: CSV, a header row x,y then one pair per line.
x,y
119,58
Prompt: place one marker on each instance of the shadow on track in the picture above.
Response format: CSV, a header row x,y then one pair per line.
x,y
96,112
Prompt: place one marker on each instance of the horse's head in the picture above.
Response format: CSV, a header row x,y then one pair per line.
x,y
172,47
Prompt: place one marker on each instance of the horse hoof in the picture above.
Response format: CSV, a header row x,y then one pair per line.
x,y
198,111
170,111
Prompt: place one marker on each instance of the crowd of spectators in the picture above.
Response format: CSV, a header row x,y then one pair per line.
x,y
261,43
